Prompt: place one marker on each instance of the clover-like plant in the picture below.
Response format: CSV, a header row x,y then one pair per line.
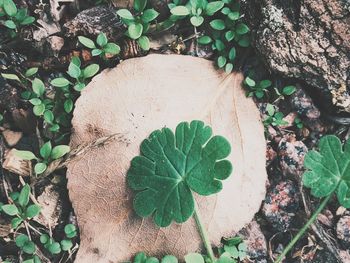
x,y
14,17
104,49
138,24
327,174
172,167
274,118
257,89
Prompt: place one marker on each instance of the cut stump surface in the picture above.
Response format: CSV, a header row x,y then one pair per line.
x,y
141,95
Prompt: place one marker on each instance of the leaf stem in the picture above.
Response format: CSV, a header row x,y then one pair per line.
x,y
303,229
203,233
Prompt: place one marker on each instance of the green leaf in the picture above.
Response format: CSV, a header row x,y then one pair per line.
x,y
48,116
35,101
96,52
139,5
39,168
228,67
16,222
144,43
74,71
21,240
170,166
180,10
244,41
242,29
70,230
140,257
329,169
45,150
204,40
225,10
111,48
79,86
125,13
169,259
233,16
39,109
29,247
87,42
232,54
59,151
149,15
197,20
54,248
221,61
102,39
23,197
289,90
25,155
218,24
60,82
10,24
250,82
152,260
38,87
30,72
194,258
10,210
28,20
91,70
10,76
213,7
229,35
44,238
270,109
68,105
220,46
76,61
10,7
135,30
66,244
265,83
32,211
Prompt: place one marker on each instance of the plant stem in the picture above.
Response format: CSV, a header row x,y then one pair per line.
x,y
204,234
303,229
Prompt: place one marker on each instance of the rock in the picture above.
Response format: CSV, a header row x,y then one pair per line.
x,y
291,155
11,137
308,40
270,155
93,21
289,119
306,109
326,218
280,205
16,165
56,44
256,242
135,98
343,229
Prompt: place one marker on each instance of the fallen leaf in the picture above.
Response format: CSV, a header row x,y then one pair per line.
x,y
137,97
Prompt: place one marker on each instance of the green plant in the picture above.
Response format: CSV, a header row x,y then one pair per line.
x,y
234,248
298,123
1,118
138,24
257,89
274,118
47,155
14,18
195,9
105,49
172,167
327,174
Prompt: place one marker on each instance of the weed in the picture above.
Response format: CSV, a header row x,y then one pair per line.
x,y
104,48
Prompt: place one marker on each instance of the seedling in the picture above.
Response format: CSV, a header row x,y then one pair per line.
x,y
14,18
257,89
328,174
196,10
298,123
47,155
274,118
54,247
138,24
171,168
104,48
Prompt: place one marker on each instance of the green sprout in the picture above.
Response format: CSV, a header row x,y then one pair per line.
x,y
104,49
274,118
257,89
138,24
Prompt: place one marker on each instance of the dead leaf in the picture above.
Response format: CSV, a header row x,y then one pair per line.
x,y
137,97
16,165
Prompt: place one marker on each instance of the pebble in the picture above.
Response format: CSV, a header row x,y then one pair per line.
x,y
281,204
291,153
343,229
